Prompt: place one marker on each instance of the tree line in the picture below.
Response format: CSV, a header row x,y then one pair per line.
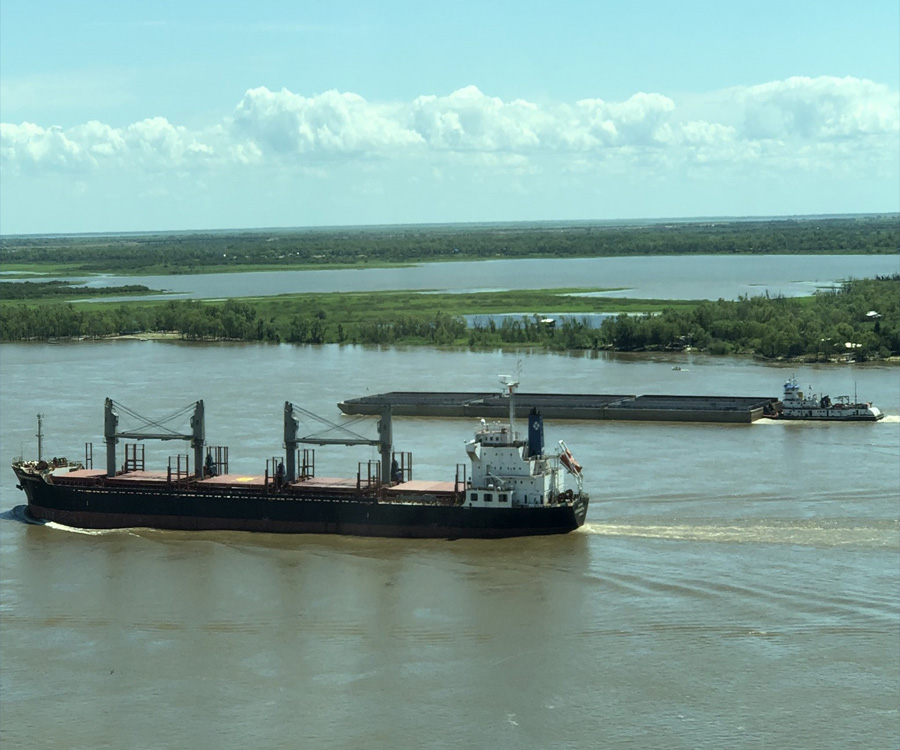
x,y
191,252
822,325
56,288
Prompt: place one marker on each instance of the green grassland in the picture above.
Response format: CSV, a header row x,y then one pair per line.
x,y
819,326
351,306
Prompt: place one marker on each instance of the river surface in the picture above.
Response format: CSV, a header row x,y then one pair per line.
x,y
658,277
735,586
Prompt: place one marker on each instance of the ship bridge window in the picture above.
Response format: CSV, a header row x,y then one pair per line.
x,y
488,497
503,497
473,497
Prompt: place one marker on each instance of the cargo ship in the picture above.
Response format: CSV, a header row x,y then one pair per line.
x,y
511,486
796,405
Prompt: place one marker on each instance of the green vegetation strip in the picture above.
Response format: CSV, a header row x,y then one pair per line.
x,y
219,252
57,290
861,319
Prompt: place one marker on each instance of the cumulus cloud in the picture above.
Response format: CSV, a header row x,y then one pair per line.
x,y
467,120
32,146
284,122
641,120
152,144
818,108
799,122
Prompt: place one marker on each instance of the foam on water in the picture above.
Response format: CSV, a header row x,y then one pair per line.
x,y
88,532
792,533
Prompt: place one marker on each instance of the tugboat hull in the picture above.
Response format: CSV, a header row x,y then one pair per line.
x,y
835,417
794,405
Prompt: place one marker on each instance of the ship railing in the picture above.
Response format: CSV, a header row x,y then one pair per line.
x,y
401,466
275,474
460,482
306,460
216,463
181,471
368,475
134,457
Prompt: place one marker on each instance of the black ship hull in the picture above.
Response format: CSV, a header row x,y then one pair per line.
x,y
360,514
836,417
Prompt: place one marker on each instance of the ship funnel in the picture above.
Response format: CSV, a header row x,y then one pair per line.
x,y
535,433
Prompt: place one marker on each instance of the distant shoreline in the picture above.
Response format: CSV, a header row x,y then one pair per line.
x,y
465,226
177,253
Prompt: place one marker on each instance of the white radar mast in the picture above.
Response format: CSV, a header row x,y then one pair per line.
x,y
511,382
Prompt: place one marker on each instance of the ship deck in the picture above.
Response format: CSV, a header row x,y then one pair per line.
x,y
591,406
83,477
423,486
79,476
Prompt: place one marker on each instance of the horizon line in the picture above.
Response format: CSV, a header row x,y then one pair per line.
x,y
439,224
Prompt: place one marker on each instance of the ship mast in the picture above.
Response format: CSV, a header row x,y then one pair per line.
x,y
111,433
511,384
40,435
384,440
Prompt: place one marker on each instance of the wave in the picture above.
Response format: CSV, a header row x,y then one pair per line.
x,y
20,513
883,535
88,532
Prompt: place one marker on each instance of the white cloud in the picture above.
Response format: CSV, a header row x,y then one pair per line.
x,y
819,108
156,143
467,120
153,144
333,122
30,145
813,124
640,120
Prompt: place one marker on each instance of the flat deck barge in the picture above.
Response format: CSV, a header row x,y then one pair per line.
x,y
736,409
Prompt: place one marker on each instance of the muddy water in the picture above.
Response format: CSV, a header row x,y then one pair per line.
x,y
735,585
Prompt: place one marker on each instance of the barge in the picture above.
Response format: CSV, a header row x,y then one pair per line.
x,y
736,409
512,485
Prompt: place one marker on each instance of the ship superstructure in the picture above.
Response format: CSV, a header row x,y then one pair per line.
x,y
508,469
797,405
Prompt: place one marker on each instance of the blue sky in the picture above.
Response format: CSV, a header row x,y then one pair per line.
x,y
195,115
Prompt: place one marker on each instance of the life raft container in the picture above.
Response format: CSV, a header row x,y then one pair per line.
x,y
569,461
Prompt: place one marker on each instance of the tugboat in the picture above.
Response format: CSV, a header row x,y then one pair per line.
x,y
796,405
516,487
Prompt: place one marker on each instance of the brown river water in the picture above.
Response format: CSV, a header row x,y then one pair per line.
x,y
735,585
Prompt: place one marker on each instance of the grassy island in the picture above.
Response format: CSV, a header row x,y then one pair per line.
x,y
858,319
821,326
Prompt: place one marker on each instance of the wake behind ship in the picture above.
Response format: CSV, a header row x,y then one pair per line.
x,y
510,487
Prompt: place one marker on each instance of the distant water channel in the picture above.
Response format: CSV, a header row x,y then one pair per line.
x,y
661,277
735,585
